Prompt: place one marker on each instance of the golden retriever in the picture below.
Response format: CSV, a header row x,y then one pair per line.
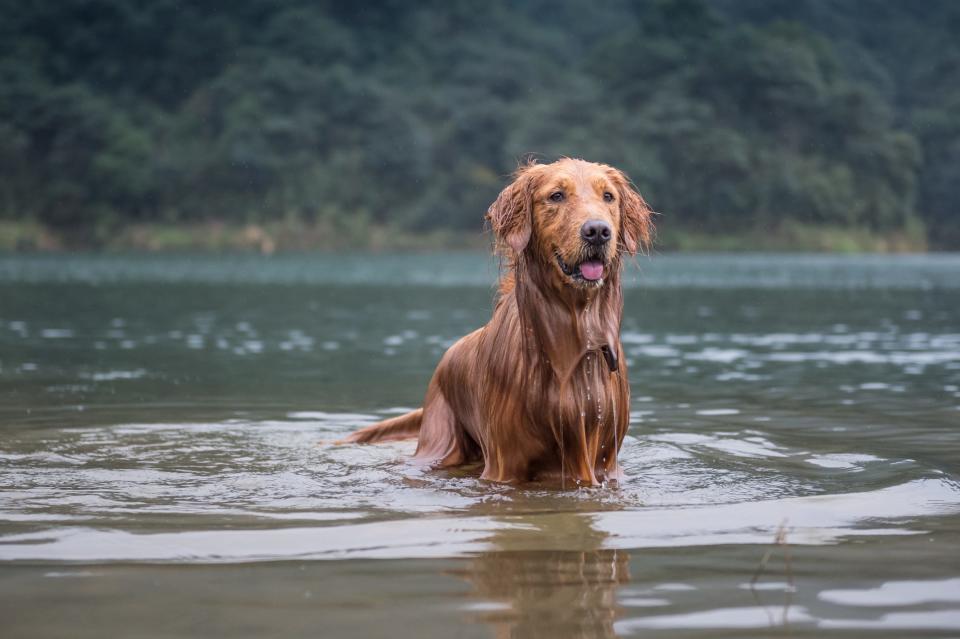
x,y
541,390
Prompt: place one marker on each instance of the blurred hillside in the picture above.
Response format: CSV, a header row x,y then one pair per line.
x,y
733,117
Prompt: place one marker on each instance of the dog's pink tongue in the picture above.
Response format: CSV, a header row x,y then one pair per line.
x,y
592,270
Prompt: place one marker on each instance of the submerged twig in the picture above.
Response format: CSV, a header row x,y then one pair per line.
x,y
779,539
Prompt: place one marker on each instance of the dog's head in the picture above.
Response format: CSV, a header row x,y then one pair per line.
x,y
576,217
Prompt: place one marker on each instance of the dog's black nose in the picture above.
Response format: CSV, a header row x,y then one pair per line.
x,y
596,232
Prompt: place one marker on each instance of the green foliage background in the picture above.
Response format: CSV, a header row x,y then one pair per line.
x,y
729,115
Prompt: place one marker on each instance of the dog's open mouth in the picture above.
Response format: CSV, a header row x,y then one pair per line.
x,y
589,271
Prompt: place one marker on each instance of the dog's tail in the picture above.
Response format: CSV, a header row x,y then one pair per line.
x,y
400,427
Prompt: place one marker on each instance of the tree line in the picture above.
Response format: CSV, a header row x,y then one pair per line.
x,y
729,115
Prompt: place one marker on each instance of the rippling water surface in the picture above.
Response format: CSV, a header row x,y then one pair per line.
x,y
793,457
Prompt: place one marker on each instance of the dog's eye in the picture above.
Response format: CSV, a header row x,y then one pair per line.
x,y
556,196
608,197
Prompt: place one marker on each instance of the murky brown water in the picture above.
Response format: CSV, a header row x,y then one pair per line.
x,y
160,474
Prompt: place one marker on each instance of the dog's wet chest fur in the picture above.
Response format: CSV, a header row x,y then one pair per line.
x,y
556,398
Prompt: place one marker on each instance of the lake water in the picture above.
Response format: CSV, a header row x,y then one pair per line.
x,y
793,458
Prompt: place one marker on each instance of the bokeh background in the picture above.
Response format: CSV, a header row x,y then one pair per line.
x,y
818,124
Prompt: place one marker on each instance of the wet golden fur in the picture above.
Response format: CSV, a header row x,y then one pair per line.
x,y
531,393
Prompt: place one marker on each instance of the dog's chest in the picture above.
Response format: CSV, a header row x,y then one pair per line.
x,y
582,400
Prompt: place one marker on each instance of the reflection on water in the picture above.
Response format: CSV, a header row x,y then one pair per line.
x,y
161,420
547,593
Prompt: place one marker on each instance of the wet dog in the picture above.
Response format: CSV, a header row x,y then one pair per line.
x,y
541,390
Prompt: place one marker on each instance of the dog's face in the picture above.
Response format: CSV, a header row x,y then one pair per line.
x,y
575,216
576,221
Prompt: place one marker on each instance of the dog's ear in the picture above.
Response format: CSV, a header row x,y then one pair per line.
x,y
635,214
511,214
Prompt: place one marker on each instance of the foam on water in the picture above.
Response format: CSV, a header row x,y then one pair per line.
x,y
812,520
244,471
